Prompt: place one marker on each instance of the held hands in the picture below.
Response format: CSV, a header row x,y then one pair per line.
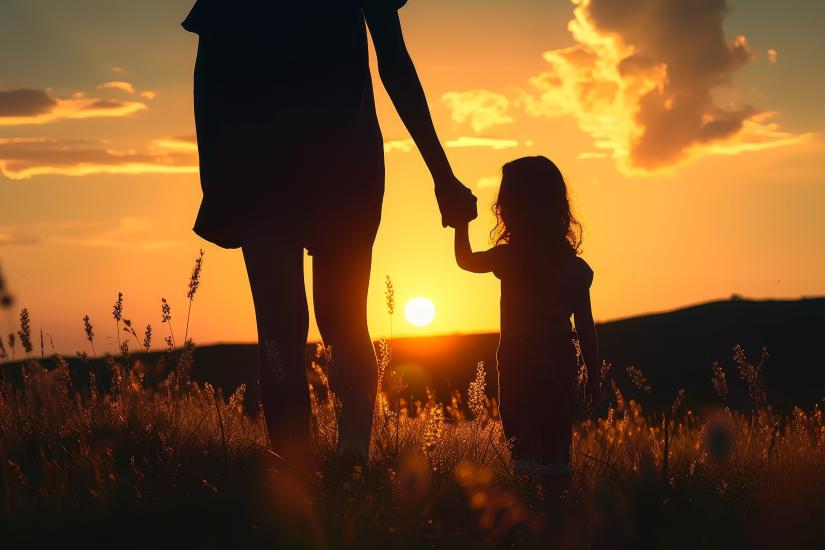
x,y
455,201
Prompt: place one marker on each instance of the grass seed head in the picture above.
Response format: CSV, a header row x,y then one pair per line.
x,y
117,310
25,332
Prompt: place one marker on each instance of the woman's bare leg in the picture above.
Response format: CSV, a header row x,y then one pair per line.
x,y
276,277
340,283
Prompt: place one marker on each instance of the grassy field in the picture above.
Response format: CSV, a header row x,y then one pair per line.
x,y
145,467
143,460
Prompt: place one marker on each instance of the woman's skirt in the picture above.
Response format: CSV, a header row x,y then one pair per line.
x,y
281,157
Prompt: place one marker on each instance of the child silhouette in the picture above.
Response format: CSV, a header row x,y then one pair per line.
x,y
543,284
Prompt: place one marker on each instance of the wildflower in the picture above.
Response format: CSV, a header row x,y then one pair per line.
x,y
25,332
751,375
195,278
604,371
194,283
677,403
476,395
638,379
166,311
166,317
117,310
435,427
147,338
389,293
719,381
128,327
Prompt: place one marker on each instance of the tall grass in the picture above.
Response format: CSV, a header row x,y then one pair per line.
x,y
185,459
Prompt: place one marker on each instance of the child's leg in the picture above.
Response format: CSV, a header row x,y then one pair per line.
x,y
537,391
521,401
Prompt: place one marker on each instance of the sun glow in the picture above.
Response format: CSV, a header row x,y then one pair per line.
x,y
419,311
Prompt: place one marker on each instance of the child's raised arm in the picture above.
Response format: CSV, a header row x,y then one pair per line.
x,y
586,330
475,262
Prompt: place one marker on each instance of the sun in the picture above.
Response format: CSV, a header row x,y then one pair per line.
x,y
419,311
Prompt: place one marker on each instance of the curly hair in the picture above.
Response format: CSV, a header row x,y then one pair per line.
x,y
533,206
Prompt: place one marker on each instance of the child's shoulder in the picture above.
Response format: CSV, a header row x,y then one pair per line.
x,y
579,271
500,256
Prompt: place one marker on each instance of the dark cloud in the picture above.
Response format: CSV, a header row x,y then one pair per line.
x,y
688,39
26,106
641,79
22,158
25,102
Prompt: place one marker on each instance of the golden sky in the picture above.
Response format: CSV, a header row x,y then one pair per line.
x,y
690,136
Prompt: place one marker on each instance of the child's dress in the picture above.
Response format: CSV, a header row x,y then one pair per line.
x,y
537,360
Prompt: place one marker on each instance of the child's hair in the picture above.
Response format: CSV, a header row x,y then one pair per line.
x,y
533,206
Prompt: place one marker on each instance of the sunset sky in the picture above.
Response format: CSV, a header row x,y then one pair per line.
x,y
691,138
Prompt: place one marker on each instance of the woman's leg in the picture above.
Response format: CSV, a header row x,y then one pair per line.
x,y
340,283
276,277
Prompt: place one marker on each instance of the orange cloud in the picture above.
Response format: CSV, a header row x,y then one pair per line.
x,y
121,85
639,81
28,106
492,143
399,145
481,108
127,232
184,144
772,56
488,182
23,158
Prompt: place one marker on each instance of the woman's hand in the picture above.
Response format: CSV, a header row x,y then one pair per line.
x,y
455,201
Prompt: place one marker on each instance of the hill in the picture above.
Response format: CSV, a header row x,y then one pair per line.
x,y
674,350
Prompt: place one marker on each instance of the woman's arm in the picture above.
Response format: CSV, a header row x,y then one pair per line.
x,y
589,342
398,74
475,262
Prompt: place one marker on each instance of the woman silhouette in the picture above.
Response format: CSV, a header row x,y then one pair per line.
x,y
291,157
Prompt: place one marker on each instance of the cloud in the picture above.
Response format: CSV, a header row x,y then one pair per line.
x,y
492,143
27,106
640,81
126,232
586,155
773,56
488,182
184,144
148,94
399,145
23,158
121,85
25,102
481,108
15,236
